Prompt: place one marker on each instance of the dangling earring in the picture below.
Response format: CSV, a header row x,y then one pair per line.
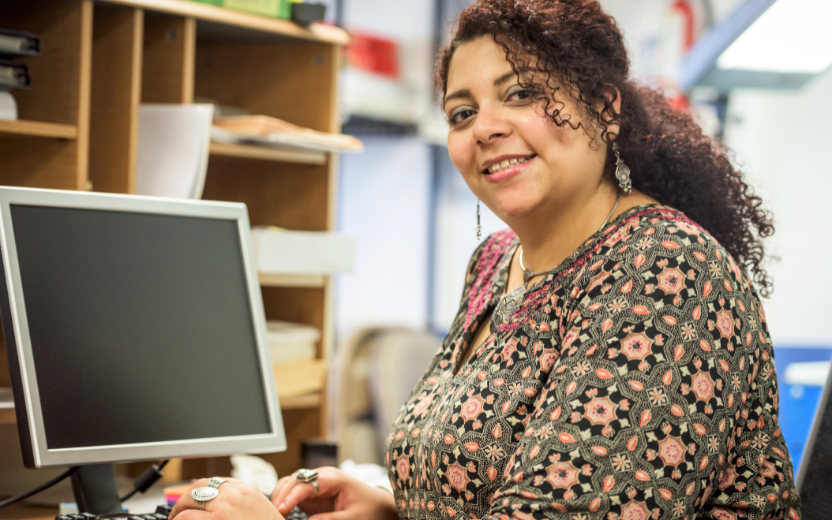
x,y
622,171
479,226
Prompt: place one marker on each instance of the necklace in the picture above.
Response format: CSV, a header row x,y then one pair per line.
x,y
528,275
510,303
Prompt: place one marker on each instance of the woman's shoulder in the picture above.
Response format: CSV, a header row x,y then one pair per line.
x,y
659,239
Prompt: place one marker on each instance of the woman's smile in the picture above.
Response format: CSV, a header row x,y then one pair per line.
x,y
502,169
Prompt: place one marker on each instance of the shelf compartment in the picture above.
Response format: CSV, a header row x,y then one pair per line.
x,y
38,129
228,17
292,280
268,154
7,416
302,401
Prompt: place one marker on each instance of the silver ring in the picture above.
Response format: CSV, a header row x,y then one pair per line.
x,y
309,476
215,482
204,494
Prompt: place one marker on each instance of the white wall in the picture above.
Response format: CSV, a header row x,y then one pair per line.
x,y
384,205
782,141
384,192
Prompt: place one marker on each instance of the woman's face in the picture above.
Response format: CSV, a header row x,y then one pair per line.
x,y
511,155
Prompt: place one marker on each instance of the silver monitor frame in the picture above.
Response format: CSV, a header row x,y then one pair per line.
x,y
41,455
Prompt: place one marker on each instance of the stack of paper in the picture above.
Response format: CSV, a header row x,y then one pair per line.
x,y
289,342
273,132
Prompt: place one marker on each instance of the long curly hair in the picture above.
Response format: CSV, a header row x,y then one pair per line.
x,y
575,47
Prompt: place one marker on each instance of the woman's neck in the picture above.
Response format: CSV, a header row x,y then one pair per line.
x,y
550,235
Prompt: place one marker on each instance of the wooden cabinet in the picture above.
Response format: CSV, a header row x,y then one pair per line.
x,y
78,129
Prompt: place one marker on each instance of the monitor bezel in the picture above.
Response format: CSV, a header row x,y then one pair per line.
x,y
24,378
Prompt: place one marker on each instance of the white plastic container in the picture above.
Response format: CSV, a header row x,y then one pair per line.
x,y
302,252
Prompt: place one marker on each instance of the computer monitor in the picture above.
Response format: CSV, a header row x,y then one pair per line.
x,y
134,328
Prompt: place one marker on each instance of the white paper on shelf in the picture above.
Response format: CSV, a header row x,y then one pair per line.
x,y
8,106
174,143
278,141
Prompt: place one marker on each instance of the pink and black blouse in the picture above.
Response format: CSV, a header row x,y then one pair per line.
x,y
635,381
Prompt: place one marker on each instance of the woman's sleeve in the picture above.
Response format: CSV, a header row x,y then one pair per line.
x,y
637,416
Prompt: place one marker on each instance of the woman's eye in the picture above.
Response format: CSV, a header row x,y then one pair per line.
x,y
519,94
459,116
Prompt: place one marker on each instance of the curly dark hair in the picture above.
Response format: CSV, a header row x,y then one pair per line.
x,y
572,45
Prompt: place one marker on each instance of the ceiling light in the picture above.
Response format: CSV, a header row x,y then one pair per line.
x,y
765,44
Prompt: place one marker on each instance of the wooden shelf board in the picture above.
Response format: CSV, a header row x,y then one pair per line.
x,y
268,154
287,403
7,416
301,401
291,280
315,32
37,128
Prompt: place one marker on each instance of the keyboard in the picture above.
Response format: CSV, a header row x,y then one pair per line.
x,y
161,513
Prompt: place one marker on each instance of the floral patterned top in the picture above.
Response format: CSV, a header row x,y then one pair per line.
x,y
636,381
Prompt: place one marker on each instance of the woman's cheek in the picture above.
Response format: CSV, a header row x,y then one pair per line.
x,y
461,153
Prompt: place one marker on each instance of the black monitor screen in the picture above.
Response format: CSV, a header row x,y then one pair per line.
x,y
141,327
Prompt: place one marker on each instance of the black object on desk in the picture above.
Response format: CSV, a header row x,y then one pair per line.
x,y
308,13
162,513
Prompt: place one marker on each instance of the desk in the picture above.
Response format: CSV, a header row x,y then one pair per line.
x,y
21,511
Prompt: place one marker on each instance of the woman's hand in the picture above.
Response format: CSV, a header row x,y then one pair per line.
x,y
236,501
341,497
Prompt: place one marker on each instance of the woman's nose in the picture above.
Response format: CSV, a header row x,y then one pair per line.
x,y
490,126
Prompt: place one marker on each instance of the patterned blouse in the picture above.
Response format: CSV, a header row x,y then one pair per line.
x,y
635,381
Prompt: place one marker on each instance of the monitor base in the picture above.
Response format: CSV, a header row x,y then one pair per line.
x,y
95,489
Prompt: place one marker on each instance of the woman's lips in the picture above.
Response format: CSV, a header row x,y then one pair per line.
x,y
507,173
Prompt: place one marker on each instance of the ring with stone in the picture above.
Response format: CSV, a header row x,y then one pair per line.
x,y
309,476
204,494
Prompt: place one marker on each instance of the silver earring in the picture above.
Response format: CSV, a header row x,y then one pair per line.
x,y
622,171
479,226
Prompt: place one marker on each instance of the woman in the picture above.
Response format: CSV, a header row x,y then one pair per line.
x,y
610,358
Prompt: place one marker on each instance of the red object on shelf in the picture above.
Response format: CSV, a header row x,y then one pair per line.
x,y
373,54
685,9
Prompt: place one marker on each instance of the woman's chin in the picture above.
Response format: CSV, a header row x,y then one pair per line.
x,y
515,210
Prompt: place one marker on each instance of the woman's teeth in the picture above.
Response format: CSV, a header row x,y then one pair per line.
x,y
508,162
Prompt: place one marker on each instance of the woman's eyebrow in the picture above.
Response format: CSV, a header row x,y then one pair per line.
x,y
505,77
464,93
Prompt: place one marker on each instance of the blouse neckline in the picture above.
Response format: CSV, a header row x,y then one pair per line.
x,y
501,280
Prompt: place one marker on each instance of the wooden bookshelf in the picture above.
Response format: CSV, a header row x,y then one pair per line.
x,y
78,130
236,19
292,280
268,154
39,129
7,416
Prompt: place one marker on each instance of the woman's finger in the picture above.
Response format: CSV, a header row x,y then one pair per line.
x,y
193,514
280,497
296,495
281,487
186,501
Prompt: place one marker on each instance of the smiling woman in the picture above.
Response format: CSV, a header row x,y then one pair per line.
x,y
610,358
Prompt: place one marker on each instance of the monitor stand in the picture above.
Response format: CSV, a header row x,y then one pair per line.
x,y
95,489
